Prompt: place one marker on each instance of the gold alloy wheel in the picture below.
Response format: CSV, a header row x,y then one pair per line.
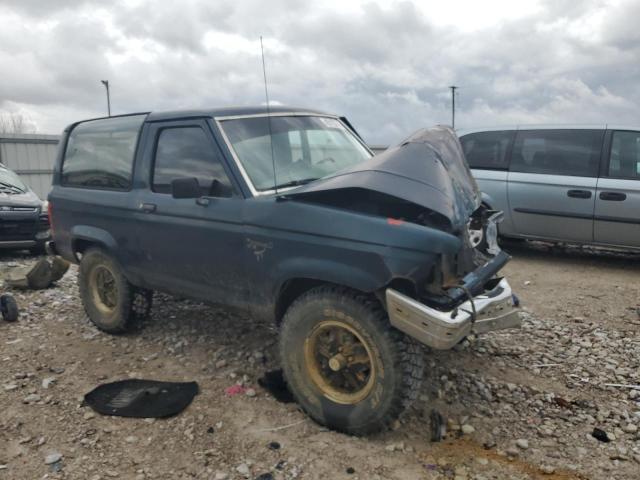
x,y
340,362
104,290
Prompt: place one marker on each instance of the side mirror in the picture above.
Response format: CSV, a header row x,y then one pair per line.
x,y
185,188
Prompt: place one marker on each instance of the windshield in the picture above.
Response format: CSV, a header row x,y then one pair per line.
x,y
304,148
10,182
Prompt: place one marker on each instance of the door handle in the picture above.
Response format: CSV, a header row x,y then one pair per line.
x,y
579,193
147,207
613,196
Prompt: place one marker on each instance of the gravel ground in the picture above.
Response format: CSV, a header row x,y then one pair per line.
x,y
521,404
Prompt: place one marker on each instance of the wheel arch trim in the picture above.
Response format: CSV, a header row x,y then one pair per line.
x,y
94,235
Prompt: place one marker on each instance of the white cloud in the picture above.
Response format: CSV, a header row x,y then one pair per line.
x,y
386,64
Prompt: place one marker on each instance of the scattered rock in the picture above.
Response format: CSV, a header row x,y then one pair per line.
x,y
250,392
522,443
489,444
467,429
600,435
52,458
395,447
547,469
243,469
47,382
32,398
512,451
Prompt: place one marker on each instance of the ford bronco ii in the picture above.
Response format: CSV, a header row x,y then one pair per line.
x,y
286,215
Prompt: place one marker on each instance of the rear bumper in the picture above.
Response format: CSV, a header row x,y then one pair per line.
x,y
494,310
18,244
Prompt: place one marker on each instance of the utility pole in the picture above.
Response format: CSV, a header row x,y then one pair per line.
x,y
106,85
453,106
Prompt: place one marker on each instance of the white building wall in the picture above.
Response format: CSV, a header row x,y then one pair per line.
x,y
32,157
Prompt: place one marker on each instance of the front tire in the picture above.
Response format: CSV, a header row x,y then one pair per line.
x,y
344,363
107,296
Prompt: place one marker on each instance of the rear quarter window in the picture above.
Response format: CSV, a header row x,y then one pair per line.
x,y
558,152
100,153
487,150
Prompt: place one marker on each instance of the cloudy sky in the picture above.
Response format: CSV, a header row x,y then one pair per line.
x,y
386,65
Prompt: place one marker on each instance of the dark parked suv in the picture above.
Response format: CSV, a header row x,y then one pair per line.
x,y
24,222
287,216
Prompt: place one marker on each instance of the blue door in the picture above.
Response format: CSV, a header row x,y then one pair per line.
x,y
190,246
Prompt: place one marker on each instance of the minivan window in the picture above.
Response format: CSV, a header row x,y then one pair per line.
x,y
558,152
187,152
100,153
487,149
625,155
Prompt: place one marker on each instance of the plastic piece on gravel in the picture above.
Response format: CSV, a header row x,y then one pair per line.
x,y
515,300
142,398
234,390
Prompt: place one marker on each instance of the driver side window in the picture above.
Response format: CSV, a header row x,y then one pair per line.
x,y
187,152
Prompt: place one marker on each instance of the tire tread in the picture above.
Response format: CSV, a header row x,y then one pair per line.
x,y
409,355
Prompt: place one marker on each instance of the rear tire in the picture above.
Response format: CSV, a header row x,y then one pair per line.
x,y
344,363
107,296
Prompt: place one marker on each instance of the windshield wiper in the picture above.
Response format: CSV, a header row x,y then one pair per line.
x,y
13,187
296,183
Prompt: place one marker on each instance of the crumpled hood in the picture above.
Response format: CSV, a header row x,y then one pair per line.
x,y
428,169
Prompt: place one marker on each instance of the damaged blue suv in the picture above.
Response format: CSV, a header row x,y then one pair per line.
x,y
285,215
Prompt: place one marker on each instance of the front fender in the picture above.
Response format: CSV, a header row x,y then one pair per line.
x,y
366,277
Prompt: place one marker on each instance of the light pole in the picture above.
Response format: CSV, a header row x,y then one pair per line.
x,y
453,105
106,85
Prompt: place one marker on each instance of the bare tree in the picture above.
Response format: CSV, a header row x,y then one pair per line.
x,y
15,123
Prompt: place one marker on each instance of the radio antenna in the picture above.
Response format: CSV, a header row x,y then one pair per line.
x,y
266,94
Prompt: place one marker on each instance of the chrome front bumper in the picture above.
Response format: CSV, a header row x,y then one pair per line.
x,y
494,310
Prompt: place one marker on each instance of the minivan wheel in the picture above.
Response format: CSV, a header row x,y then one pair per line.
x,y
106,294
344,363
